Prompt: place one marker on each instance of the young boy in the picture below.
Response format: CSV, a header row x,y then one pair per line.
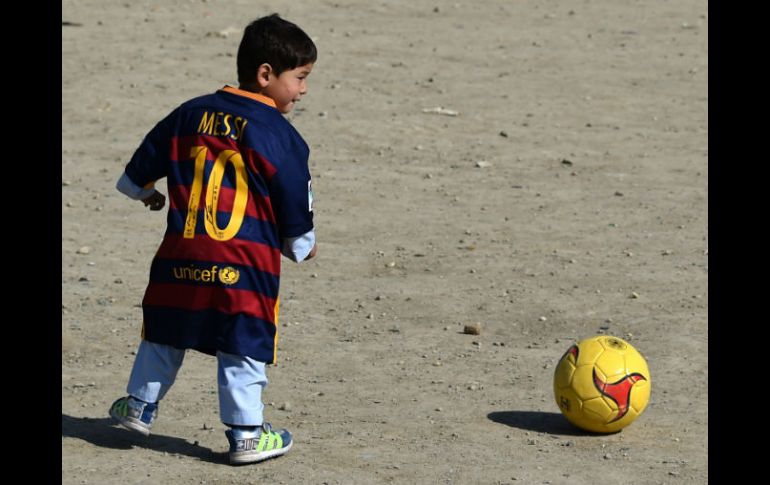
x,y
239,197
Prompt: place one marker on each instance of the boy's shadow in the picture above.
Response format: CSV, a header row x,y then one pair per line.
x,y
104,432
538,421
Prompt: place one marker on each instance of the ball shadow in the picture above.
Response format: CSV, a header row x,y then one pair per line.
x,y
104,432
538,421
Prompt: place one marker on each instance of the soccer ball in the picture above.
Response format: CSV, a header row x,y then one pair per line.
x,y
602,384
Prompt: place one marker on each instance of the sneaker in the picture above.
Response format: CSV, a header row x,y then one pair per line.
x,y
134,414
257,445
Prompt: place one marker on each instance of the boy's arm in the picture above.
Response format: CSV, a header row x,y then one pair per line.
x,y
292,199
148,164
151,197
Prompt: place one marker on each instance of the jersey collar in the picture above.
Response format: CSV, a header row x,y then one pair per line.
x,y
248,94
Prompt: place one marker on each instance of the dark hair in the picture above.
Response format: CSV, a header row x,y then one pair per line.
x,y
275,41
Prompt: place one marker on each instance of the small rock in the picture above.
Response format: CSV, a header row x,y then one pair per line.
x,y
472,329
84,250
543,319
441,111
634,295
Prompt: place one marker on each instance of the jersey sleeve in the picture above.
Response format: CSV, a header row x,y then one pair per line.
x,y
133,191
150,161
291,196
290,187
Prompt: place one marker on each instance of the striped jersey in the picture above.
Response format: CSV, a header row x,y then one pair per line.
x,y
238,183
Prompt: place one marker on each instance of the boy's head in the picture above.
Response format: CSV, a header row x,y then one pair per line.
x,y
274,44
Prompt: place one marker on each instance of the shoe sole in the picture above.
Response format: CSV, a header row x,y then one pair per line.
x,y
131,424
249,457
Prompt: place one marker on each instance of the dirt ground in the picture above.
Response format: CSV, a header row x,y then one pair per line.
x,y
559,192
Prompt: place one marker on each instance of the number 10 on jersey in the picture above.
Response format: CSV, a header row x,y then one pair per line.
x,y
213,190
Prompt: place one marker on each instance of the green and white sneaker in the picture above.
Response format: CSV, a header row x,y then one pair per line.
x,y
134,414
257,445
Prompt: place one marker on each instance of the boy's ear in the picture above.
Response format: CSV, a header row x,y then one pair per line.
x,y
263,75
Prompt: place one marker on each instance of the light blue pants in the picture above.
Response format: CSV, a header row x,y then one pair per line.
x,y
240,380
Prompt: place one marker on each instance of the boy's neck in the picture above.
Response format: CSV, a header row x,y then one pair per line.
x,y
250,87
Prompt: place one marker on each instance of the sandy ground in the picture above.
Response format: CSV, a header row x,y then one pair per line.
x,y
566,198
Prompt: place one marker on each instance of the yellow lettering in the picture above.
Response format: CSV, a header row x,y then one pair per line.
x,y
213,192
239,128
234,134
212,196
216,124
195,274
206,124
227,125
199,153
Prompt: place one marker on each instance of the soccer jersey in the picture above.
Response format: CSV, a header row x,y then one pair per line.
x,y
239,184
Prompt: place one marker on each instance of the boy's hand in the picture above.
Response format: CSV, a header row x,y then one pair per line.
x,y
311,255
156,201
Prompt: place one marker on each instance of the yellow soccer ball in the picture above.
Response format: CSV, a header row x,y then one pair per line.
x,y
602,384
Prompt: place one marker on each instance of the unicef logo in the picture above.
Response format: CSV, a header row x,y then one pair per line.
x,y
229,275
